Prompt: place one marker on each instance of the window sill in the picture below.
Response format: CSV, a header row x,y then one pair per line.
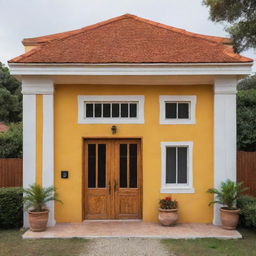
x,y
177,190
177,121
111,121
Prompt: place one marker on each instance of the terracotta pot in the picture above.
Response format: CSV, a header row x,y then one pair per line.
x,y
229,218
168,217
38,220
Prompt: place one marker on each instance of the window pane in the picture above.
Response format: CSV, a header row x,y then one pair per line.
x,y
170,110
115,110
171,165
89,110
124,110
183,109
123,165
98,110
133,110
106,110
133,165
182,165
101,165
91,166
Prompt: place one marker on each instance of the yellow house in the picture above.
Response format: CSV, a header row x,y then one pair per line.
x,y
127,111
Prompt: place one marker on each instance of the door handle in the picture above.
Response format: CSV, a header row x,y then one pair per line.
x,y
109,188
115,186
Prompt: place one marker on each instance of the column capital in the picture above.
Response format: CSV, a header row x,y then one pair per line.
x,y
225,85
32,86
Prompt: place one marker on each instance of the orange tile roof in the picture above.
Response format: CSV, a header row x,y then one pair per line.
x,y
129,39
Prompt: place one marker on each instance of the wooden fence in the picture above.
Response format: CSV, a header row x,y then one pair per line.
x,y
10,172
246,170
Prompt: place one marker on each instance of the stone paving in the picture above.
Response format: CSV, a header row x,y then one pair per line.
x,y
133,229
126,247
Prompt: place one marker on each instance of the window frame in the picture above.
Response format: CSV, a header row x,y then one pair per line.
x,y
139,99
191,99
177,188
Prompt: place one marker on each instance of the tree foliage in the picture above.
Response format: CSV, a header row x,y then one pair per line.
x,y
246,114
11,142
241,15
10,97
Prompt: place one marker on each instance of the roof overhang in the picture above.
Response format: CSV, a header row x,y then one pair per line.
x,y
30,69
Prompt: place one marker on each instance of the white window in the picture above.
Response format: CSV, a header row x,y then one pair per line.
x,y
177,109
177,176
125,109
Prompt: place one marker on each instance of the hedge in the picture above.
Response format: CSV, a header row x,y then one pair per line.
x,y
247,204
11,208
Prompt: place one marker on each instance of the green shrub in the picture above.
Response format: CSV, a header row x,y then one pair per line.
x,y
247,204
228,193
11,208
11,142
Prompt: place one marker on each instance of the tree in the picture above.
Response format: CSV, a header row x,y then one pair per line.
x,y
246,114
11,142
247,83
10,97
241,14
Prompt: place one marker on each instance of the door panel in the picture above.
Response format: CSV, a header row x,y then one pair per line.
x,y
97,172
112,179
128,179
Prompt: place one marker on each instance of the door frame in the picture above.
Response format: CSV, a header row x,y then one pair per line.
x,y
84,139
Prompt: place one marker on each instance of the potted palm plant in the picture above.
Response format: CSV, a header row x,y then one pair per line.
x,y
227,196
168,211
35,199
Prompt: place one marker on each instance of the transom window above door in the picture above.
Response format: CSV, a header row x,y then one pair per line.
x,y
177,176
177,109
111,109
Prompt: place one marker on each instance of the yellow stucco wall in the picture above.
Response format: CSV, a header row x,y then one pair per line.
x,y
68,147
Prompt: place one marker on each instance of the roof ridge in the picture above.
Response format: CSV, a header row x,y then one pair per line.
x,y
215,39
93,26
80,30
183,31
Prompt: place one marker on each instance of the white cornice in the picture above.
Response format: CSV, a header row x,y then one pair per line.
x,y
32,86
225,85
30,69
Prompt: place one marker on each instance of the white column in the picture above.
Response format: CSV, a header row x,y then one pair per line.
x,y
32,86
29,144
48,150
224,134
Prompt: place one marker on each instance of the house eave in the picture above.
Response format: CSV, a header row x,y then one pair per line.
x,y
77,69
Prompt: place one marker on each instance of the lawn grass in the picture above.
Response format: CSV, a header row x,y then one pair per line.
x,y
214,247
12,244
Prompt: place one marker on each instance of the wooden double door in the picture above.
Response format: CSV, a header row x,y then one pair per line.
x,y
113,179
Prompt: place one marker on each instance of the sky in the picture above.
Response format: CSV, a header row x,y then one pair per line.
x,y
31,18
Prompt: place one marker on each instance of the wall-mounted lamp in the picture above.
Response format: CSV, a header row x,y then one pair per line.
x,y
113,129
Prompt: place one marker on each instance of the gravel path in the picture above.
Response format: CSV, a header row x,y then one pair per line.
x,y
126,247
